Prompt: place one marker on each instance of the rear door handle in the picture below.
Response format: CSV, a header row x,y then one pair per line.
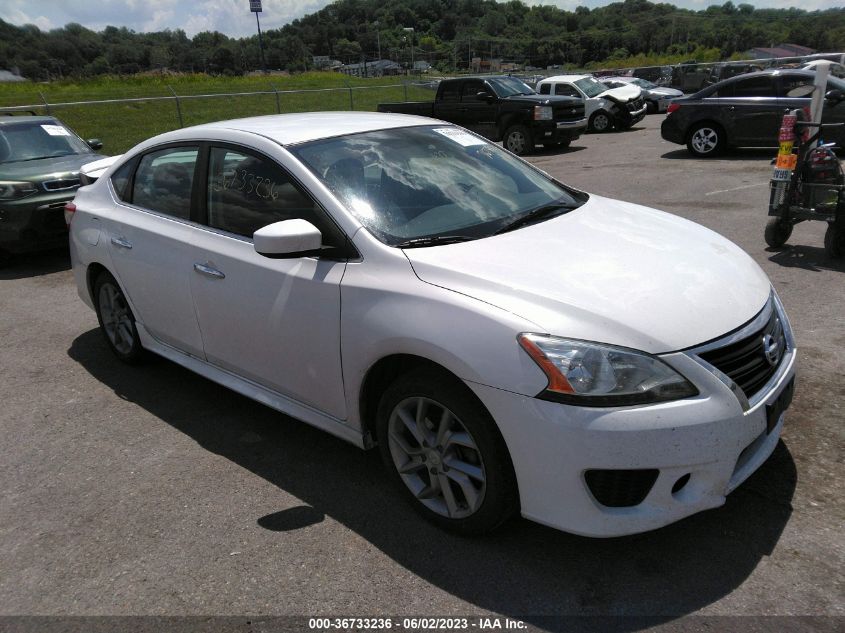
x,y
205,269
121,242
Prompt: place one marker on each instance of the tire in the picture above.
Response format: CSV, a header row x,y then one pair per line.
x,y
777,232
518,140
117,323
705,140
834,240
600,121
476,469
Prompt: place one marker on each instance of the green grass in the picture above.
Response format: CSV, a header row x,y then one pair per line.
x,y
122,125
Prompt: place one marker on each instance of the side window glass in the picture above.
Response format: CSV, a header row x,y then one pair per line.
x,y
450,91
754,87
120,180
796,87
164,179
470,89
545,89
246,193
566,90
728,90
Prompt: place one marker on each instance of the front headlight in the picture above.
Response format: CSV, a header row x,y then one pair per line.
x,y
543,113
591,374
12,190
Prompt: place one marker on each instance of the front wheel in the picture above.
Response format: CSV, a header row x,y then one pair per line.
x,y
834,240
777,232
518,140
600,122
445,453
705,140
117,323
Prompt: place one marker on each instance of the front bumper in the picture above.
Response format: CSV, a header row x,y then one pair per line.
x,y
630,118
713,438
34,223
559,130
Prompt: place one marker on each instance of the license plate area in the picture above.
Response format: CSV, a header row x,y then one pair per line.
x,y
774,410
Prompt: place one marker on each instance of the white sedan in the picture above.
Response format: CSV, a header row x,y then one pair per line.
x,y
512,345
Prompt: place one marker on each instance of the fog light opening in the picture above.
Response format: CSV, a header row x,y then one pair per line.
x,y
679,485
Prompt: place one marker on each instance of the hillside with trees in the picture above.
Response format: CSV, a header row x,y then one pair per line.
x,y
446,33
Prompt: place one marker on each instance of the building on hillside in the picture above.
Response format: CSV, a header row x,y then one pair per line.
x,y
781,50
376,68
8,76
324,62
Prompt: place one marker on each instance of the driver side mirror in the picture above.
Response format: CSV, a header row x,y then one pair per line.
x,y
287,239
485,96
834,95
95,143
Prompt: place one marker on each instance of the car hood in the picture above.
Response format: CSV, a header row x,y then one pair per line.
x,y
666,92
539,99
622,94
46,167
608,271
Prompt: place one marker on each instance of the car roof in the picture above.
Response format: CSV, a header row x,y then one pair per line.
x,y
27,118
291,129
566,78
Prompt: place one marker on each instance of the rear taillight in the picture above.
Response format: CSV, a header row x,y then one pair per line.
x,y
70,209
672,107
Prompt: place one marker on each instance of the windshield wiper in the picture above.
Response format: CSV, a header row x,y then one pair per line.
x,y
24,160
433,240
541,213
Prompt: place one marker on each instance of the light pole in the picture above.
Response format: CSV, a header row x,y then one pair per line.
x,y
410,29
378,39
255,7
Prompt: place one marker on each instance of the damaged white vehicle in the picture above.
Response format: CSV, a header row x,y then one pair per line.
x,y
606,108
511,345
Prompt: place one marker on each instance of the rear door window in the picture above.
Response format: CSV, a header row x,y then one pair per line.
x,y
754,87
164,181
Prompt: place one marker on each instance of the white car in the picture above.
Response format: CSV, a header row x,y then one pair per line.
x,y
511,344
606,108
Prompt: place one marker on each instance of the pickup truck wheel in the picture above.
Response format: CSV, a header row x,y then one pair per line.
x,y
518,140
705,140
834,240
600,122
777,232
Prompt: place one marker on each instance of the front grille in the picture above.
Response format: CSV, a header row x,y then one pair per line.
x,y
746,361
569,113
635,105
620,488
61,183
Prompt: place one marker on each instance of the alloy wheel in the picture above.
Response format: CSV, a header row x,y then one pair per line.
x,y
516,142
436,457
705,140
115,314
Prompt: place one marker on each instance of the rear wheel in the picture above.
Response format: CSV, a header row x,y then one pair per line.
x,y
445,453
518,140
777,232
117,323
834,240
705,140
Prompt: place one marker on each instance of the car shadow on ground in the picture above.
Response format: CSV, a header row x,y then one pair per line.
x,y
746,153
807,257
35,264
551,151
524,570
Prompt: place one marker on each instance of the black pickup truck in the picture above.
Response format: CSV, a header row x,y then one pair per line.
x,y
502,109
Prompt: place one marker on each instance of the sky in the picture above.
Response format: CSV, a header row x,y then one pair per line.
x,y
233,18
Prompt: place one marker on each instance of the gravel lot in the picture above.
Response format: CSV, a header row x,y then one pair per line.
x,y
152,491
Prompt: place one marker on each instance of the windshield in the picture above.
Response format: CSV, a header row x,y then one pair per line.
x,y
642,83
509,86
420,182
31,140
591,86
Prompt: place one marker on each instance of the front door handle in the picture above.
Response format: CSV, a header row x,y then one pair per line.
x,y
205,269
121,242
